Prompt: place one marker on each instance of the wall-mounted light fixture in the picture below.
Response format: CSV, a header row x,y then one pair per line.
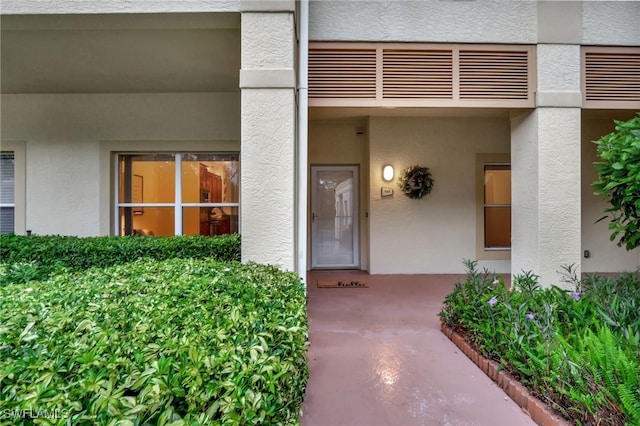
x,y
387,176
387,173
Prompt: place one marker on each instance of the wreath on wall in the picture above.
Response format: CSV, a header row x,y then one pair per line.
x,y
415,181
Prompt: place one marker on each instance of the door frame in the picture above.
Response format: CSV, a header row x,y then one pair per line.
x,y
355,168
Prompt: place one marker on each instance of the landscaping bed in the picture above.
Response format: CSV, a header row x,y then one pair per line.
x,y
158,342
577,351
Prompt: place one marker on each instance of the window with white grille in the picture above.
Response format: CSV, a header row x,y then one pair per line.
x,y
497,206
7,192
165,194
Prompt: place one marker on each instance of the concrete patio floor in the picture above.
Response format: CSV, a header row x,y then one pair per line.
x,y
377,357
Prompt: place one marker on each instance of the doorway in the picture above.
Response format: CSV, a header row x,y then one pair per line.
x,y
334,217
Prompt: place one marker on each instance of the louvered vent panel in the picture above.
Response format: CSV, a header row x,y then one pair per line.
x,y
612,76
417,74
494,75
342,73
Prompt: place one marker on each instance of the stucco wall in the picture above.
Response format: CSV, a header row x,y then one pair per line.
x,y
611,23
68,175
558,177
340,141
268,126
489,21
558,68
433,234
606,256
275,51
267,194
604,22
546,192
525,193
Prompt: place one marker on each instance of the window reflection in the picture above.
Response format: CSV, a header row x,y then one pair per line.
x,y
210,178
156,221
149,200
210,220
497,206
158,176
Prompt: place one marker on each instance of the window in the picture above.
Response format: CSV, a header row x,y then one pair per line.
x,y
177,194
497,206
7,192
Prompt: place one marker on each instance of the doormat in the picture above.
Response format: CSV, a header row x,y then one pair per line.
x,y
341,284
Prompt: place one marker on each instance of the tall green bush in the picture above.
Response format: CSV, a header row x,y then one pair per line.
x,y
180,342
35,257
619,180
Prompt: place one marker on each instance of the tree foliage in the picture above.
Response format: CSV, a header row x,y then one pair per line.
x,y
619,180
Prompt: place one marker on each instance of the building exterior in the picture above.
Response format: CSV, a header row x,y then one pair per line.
x,y
275,119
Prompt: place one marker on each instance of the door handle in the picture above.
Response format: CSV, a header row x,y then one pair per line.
x,y
313,217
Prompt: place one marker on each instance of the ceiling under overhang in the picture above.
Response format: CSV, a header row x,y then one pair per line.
x,y
120,53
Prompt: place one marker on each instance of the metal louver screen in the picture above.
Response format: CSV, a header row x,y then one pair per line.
x,y
417,74
494,75
342,73
612,76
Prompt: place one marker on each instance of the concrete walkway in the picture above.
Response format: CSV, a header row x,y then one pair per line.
x,y
377,357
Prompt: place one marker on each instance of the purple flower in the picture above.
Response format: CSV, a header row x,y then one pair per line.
x,y
492,301
529,316
496,281
575,295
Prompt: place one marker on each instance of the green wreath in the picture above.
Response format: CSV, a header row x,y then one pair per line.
x,y
415,181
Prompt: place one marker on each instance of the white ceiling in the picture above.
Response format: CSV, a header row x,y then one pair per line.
x,y
120,53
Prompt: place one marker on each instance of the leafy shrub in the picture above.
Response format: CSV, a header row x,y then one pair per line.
x,y
619,180
181,341
617,302
579,351
35,257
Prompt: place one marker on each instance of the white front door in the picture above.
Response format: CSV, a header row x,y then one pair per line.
x,y
334,217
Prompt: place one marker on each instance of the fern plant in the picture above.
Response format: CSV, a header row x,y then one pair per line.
x,y
612,371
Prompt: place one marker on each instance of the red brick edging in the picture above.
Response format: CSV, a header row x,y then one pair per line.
x,y
536,409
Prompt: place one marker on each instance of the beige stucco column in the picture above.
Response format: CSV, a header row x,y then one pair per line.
x,y
267,82
545,158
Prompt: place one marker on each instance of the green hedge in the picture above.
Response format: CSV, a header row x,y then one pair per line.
x,y
181,341
577,350
35,257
